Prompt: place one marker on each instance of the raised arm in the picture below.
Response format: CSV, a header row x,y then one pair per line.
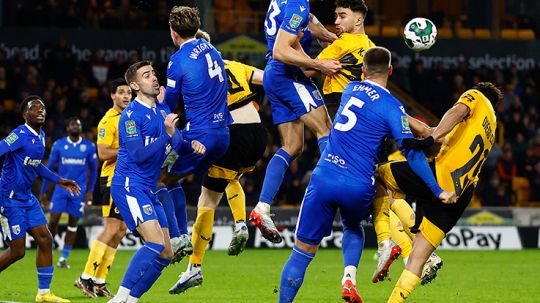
x,y
319,31
450,119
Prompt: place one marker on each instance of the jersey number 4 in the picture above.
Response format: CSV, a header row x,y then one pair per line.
x,y
351,116
213,68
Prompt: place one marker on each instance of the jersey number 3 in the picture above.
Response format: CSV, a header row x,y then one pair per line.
x,y
351,116
213,68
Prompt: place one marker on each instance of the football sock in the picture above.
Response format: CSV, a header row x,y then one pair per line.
x,y
349,273
66,251
381,217
237,200
150,277
95,257
274,175
168,206
353,243
404,286
45,275
322,142
201,233
405,214
179,201
105,266
400,236
140,262
293,273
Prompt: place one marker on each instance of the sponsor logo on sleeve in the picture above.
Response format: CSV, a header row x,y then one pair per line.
x,y
171,83
101,134
295,21
11,138
405,127
131,130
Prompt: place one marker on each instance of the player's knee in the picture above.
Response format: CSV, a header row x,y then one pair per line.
x,y
44,240
309,248
294,149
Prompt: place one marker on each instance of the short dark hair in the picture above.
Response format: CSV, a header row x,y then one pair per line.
x,y
27,100
116,83
489,90
131,72
358,6
71,119
185,21
377,60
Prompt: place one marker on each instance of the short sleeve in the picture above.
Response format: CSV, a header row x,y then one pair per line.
x,y
398,123
296,17
469,98
129,129
106,133
14,141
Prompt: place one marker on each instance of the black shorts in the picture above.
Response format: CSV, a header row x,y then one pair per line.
x,y
109,209
444,216
247,146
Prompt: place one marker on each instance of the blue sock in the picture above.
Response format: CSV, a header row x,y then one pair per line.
x,y
150,277
352,244
140,262
179,200
168,206
66,251
323,141
44,275
292,275
274,175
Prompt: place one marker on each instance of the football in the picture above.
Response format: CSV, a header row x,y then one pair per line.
x,y
420,34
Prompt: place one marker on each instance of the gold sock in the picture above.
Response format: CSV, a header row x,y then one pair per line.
x,y
105,266
405,214
399,235
95,258
381,216
201,233
405,285
237,200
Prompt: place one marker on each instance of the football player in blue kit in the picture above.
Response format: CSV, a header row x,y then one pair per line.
x,y
20,210
294,98
73,157
146,132
197,84
344,176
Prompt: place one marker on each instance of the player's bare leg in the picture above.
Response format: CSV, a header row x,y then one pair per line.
x,y
44,260
53,223
201,236
15,251
318,121
292,138
69,240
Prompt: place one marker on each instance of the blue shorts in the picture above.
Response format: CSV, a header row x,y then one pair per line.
x,y
289,97
137,204
63,202
216,141
326,193
17,220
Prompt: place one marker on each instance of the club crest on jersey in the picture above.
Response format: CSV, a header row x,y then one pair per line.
x,y
16,229
11,138
295,21
405,125
83,148
131,130
101,134
147,209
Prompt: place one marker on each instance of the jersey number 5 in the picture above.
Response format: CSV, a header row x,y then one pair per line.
x,y
351,116
213,68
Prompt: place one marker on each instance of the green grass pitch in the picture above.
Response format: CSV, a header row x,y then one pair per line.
x,y
467,276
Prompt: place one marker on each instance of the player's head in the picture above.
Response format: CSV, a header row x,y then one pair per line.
x,y
350,15
33,110
184,22
202,35
490,91
377,63
74,127
120,93
142,78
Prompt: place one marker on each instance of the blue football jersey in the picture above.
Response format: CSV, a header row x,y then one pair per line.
x,y
141,127
196,72
73,160
367,114
291,16
25,151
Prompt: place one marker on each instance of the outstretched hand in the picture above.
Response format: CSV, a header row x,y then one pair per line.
x,y
71,186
